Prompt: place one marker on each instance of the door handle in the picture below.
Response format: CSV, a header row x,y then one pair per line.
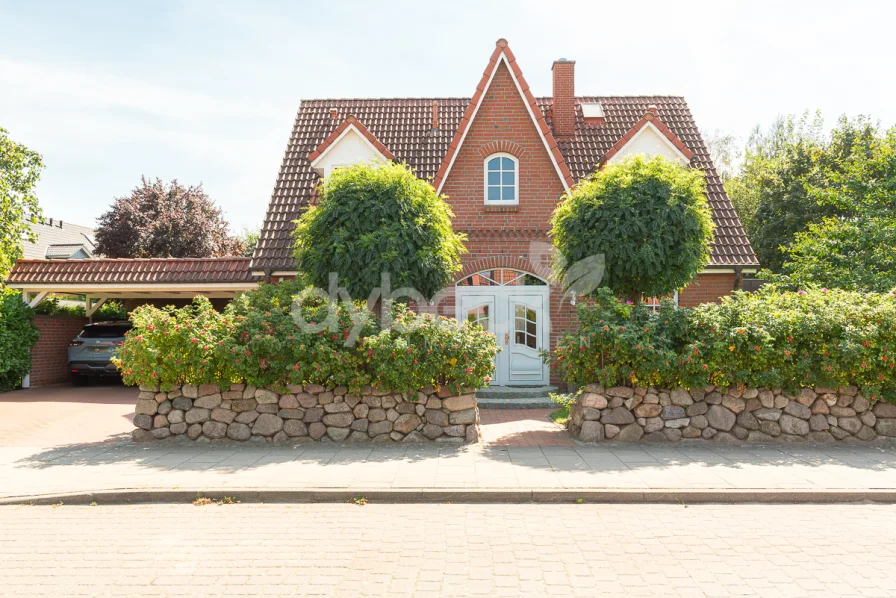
x,y
506,338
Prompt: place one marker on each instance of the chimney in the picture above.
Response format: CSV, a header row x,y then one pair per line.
x,y
435,116
564,98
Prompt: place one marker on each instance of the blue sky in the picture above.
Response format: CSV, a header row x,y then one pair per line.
x,y
207,91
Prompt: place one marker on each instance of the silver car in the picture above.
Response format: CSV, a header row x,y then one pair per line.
x,y
91,352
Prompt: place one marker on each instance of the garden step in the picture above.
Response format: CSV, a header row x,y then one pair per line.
x,y
517,403
515,392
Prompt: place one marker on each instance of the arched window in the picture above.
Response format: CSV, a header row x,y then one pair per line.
x,y
501,277
501,179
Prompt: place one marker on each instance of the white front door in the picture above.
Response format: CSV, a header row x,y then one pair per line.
x,y
517,316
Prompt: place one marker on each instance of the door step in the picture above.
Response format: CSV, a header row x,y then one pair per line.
x,y
525,403
515,397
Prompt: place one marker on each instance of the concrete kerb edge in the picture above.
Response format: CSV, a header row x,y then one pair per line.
x,y
427,495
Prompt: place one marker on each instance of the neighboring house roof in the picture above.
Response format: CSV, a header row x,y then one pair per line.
x,y
131,271
58,234
404,127
66,251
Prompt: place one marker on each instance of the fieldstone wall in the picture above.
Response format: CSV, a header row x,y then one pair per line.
x,y
624,414
309,413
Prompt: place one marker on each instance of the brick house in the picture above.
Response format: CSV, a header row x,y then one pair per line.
x,y
503,158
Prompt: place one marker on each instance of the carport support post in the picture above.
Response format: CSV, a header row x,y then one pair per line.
x,y
92,305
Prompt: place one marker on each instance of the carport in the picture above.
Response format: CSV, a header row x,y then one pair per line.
x,y
134,281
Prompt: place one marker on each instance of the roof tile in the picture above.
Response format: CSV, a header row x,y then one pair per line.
x,y
131,271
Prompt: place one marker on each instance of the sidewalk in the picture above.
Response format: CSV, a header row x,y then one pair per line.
x,y
158,472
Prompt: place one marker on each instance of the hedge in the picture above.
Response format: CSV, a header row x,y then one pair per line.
x,y
258,340
769,339
17,335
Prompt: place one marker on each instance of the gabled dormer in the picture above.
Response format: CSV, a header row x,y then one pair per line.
x,y
350,143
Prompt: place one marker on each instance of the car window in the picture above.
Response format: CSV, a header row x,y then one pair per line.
x,y
105,331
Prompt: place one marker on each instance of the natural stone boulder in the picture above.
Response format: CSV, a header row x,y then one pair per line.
x,y
194,431
794,425
645,410
338,434
884,410
797,410
182,403
294,427
266,397
146,407
379,428
315,414
593,400
406,422
208,401
213,430
433,416
697,409
677,423
747,421
623,392
241,405
317,430
818,422
590,414
673,412
850,424
461,403
160,433
143,421
591,431
197,415
886,427
267,424
733,404
681,397
179,428
720,418
337,408
433,431
238,431
462,417
630,433
223,415
377,415
160,421
767,414
457,431
339,420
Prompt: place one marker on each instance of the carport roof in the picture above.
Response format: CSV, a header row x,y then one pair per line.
x,y
131,271
144,278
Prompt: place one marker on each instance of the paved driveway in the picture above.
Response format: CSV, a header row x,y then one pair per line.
x,y
58,415
103,413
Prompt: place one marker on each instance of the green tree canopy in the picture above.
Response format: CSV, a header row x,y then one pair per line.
x,y
375,219
19,172
649,218
856,249
787,173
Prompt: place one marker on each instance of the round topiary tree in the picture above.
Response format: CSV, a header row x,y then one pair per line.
x,y
650,220
378,219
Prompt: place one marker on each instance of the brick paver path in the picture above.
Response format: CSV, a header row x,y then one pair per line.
x,y
59,415
521,427
425,551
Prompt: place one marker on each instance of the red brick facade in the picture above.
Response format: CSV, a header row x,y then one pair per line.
x,y
50,354
707,288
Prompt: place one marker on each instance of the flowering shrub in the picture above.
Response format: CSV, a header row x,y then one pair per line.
x,y
429,350
170,346
279,334
268,347
770,338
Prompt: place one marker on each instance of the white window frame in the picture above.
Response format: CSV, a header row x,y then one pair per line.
x,y
516,181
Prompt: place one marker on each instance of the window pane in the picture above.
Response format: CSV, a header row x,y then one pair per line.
x,y
494,178
508,193
530,327
530,315
519,311
520,338
494,193
506,178
507,164
530,341
494,164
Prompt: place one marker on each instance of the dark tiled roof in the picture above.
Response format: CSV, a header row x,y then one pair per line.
x,y
404,127
131,271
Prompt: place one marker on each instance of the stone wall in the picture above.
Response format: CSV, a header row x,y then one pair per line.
x,y
753,415
306,414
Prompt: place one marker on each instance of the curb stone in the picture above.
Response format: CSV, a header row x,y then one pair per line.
x,y
435,495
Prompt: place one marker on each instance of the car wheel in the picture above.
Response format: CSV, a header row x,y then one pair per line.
x,y
79,380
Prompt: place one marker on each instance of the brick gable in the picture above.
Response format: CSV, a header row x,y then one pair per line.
x,y
503,124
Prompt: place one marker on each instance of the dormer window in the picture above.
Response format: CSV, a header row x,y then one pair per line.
x,y
501,180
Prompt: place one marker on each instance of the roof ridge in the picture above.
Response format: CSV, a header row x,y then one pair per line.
x,y
231,258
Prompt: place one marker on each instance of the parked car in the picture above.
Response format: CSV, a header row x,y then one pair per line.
x,y
91,352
